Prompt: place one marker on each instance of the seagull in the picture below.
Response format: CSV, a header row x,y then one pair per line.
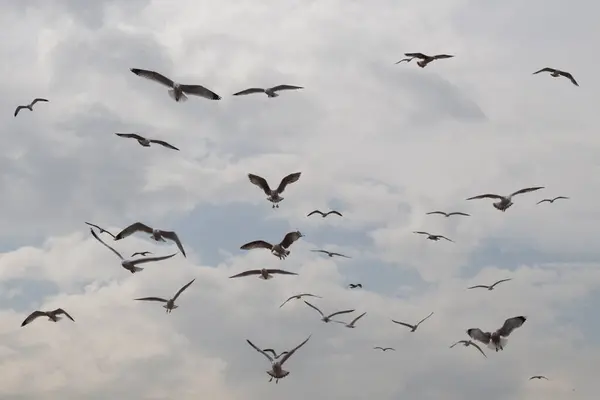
x,y
52,316
413,327
101,229
505,201
263,273
351,324
490,287
328,317
330,254
468,343
270,92
448,214
298,297
325,214
556,73
497,340
275,355
278,250
141,253
30,105
425,59
146,142
354,285
435,238
539,377
156,234
170,304
276,370
384,349
177,91
130,265
274,195
552,200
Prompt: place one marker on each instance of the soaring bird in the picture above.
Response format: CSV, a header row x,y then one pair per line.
x,y
263,273
497,340
330,253
146,142
435,238
29,106
177,91
491,287
170,303
156,234
505,201
552,200
384,349
141,253
274,195
298,297
425,59
468,343
539,377
276,370
278,250
328,317
448,214
413,327
102,230
130,265
275,355
270,92
556,73
324,214
351,324
52,316
355,285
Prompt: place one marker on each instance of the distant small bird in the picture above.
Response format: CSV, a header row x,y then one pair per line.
x,y
355,285
275,355
141,253
552,200
490,287
52,316
177,91
146,142
156,234
384,348
330,253
539,377
435,238
270,92
448,214
425,59
274,195
328,317
556,73
298,297
505,201
468,343
278,250
263,273
413,327
29,106
102,230
497,340
170,303
324,214
276,371
351,324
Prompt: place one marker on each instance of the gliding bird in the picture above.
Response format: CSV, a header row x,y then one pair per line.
x,y
330,253
497,340
354,285
170,304
556,73
278,250
263,273
468,343
141,253
156,234
29,106
270,92
52,316
146,142
539,377
505,201
425,59
384,348
101,229
351,324
274,195
490,287
552,200
276,370
435,238
328,317
177,91
448,214
298,297
324,214
413,327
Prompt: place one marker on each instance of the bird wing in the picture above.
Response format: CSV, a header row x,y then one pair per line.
x,y
527,190
102,230
478,286
460,341
419,323
568,75
18,109
285,87
59,311
153,76
340,255
249,91
404,323
486,196
501,280
437,212
173,236
182,289
260,182
478,334
510,325
547,69
404,59
257,244
442,56
270,351
310,305
165,144
280,271
315,212
198,90
247,273
561,197
38,99
389,348
377,347
416,55
130,135
477,347
153,299
334,212
291,178
357,318
283,304
133,228
291,352
33,316
290,238
321,251
459,213
422,233
107,246
260,351
151,259
541,201
444,237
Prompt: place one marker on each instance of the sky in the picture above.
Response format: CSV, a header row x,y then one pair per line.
x,y
382,143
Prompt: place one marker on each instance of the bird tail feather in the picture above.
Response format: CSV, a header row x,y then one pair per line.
x,y
181,99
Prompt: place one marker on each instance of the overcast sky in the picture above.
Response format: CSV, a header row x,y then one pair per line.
x,y
382,143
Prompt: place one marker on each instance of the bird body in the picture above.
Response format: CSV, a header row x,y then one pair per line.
x,y
52,316
263,273
146,142
327,318
274,195
176,91
29,106
270,92
156,234
424,59
277,372
412,327
555,73
170,303
324,214
435,238
498,339
505,201
278,250
491,287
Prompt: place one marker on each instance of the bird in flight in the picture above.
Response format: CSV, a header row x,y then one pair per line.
x,y
425,59
177,91
448,214
468,343
556,73
52,316
351,324
435,238
539,377
277,372
278,250
505,201
330,253
413,327
30,105
384,349
298,297
156,234
102,230
141,253
170,303
491,287
324,214
146,142
328,317
270,92
552,200
130,265
263,273
355,285
497,340
274,195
